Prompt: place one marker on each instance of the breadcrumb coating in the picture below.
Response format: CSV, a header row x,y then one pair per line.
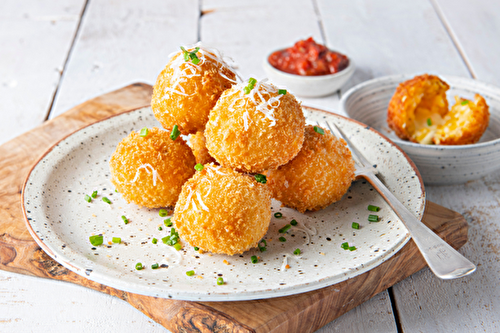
x,y
257,131
414,102
184,93
198,144
223,211
150,171
318,176
465,123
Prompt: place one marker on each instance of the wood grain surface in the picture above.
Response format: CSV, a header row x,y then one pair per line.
x,y
298,313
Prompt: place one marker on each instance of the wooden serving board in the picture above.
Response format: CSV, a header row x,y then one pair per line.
x,y
304,312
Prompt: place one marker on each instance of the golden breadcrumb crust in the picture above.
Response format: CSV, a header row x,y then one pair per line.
x,y
465,123
319,175
238,216
190,113
172,160
198,144
259,147
426,92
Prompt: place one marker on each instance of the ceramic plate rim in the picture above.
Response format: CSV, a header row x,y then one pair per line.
x,y
356,88
315,285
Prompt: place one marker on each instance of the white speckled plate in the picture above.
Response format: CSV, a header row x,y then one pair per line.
x,y
61,221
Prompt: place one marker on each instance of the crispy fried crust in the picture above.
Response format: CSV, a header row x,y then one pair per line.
x,y
258,146
465,123
190,112
425,92
197,143
223,211
172,160
319,175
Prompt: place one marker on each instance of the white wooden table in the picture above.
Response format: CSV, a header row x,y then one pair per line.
x,y
55,54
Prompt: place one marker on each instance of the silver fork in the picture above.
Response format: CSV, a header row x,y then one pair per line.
x,y
443,260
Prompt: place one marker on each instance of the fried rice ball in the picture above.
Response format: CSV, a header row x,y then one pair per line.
x,y
465,123
414,102
318,176
223,211
255,131
184,92
150,171
198,144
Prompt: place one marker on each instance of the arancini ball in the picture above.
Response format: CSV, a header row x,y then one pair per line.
x,y
198,144
255,127
187,89
318,176
223,211
150,170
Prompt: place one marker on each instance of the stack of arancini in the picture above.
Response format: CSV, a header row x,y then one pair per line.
x,y
237,130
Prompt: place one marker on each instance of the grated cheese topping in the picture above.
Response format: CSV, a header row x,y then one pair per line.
x,y
146,166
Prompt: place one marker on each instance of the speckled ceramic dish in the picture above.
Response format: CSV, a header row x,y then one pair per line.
x,y
61,221
438,164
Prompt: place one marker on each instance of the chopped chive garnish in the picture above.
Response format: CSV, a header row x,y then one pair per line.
x,y
168,222
96,240
163,212
373,208
160,228
88,198
116,190
252,81
154,241
262,248
355,225
220,281
198,167
260,178
178,246
296,252
190,273
124,219
352,248
254,259
247,90
106,200
155,266
464,102
285,229
282,91
293,222
165,239
345,245
278,215
175,133
191,55
196,248
138,266
282,239
117,240
429,122
319,130
94,194
373,218
144,132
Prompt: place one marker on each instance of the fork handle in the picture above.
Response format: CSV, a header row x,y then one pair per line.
x,y
443,260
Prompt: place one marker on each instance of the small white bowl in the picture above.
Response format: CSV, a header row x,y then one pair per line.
x,y
438,164
309,86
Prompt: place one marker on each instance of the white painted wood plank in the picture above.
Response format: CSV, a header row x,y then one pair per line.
x,y
476,28
122,42
29,304
374,316
390,37
35,38
249,31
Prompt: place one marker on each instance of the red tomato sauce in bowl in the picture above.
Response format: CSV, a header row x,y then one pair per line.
x,y
308,58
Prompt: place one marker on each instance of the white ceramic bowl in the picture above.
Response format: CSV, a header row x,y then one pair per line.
x,y
438,164
309,86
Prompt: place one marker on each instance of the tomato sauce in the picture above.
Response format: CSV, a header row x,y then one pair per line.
x,y
307,57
